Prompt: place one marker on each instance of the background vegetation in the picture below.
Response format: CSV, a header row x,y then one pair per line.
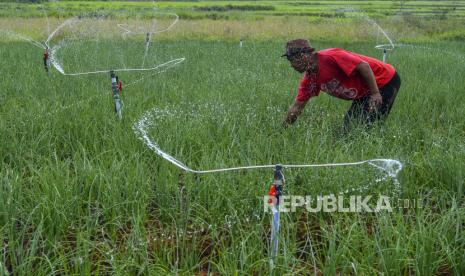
x,y
239,9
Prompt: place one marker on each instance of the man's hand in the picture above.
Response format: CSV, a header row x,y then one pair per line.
x,y
375,101
367,75
293,113
290,119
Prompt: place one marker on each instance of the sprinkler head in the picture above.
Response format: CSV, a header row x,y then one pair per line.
x,y
278,175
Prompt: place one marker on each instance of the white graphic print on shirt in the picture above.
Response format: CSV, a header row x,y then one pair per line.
x,y
334,88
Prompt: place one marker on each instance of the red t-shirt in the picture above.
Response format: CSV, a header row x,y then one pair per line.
x,y
337,76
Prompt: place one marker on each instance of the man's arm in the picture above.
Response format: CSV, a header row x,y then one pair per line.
x,y
294,112
364,69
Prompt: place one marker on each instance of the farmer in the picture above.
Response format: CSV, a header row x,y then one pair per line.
x,y
370,84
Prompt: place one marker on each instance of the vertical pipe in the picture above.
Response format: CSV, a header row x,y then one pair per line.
x,y
116,95
46,60
276,191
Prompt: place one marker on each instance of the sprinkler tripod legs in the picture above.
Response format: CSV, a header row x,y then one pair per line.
x,y
118,107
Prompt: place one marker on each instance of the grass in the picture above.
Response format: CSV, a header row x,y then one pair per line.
x,y
80,193
239,9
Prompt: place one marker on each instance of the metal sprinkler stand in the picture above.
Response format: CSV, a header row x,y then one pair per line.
x,y
278,180
46,60
116,95
385,48
276,190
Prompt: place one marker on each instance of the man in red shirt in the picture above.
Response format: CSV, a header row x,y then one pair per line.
x,y
370,84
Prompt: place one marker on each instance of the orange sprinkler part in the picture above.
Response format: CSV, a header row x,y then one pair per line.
x,y
271,193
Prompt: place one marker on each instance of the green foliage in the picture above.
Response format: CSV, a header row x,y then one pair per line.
x,y
251,9
453,35
235,8
80,193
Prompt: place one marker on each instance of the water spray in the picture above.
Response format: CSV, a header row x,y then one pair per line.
x,y
25,38
157,69
50,59
386,47
389,166
116,94
147,45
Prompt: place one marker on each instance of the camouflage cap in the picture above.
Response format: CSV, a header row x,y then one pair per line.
x,y
297,46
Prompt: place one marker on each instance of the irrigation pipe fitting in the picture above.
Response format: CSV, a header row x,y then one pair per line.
x,y
116,95
276,190
385,48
